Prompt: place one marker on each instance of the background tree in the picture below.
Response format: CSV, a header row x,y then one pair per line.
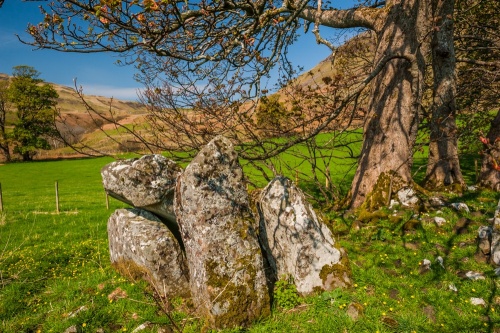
x,y
222,44
4,142
35,103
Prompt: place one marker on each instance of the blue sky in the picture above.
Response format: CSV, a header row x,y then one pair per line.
x,y
96,73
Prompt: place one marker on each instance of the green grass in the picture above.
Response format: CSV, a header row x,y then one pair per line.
x,y
53,265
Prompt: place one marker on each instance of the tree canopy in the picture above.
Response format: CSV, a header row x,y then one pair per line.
x,y
209,57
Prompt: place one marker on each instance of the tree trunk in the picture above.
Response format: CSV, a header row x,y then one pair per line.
x,y
490,168
443,167
392,120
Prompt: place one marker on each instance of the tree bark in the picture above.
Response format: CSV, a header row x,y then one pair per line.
x,y
392,120
443,167
489,176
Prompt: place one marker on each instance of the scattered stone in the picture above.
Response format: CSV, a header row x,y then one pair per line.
x,y
439,221
495,237
141,246
297,243
472,188
437,202
71,329
393,204
354,311
142,327
147,183
408,197
462,225
452,287
430,313
471,275
460,206
77,311
227,278
497,271
425,266
440,261
477,301
484,237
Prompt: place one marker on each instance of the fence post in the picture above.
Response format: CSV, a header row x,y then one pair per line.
x,y
1,198
57,197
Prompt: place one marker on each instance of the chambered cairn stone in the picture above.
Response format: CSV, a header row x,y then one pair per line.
x,y
297,243
147,183
228,284
141,246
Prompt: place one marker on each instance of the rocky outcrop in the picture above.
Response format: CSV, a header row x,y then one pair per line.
x,y
227,279
141,246
147,183
296,242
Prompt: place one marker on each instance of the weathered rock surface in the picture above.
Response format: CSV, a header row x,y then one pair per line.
x,y
296,242
141,246
227,278
408,197
147,183
495,237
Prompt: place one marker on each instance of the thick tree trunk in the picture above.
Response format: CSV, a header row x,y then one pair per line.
x,y
443,167
490,169
391,124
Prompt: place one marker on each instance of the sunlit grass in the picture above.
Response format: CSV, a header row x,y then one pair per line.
x,y
55,271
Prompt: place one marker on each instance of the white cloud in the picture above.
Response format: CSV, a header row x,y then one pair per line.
x,y
123,93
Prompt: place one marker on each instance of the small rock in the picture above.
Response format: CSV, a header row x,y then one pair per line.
x,y
437,202
477,301
357,225
142,327
71,329
408,197
460,206
461,226
452,287
472,188
425,266
394,203
439,221
440,261
497,271
474,275
354,310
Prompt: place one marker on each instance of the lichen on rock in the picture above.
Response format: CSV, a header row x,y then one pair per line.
x,y
227,279
297,243
141,246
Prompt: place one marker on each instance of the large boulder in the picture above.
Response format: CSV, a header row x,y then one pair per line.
x,y
297,243
227,279
141,246
147,183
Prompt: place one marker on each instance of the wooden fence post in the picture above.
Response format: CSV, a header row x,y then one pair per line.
x,y
57,197
1,198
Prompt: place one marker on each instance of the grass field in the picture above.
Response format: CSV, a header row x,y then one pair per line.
x,y
55,271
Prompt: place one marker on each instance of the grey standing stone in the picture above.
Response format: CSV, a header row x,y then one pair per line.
x,y
495,237
141,246
227,277
147,183
297,243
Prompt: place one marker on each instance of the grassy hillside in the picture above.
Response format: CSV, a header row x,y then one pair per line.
x,y
55,271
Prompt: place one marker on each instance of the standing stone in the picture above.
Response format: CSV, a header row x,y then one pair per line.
x,y
495,237
141,246
227,279
297,243
147,183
